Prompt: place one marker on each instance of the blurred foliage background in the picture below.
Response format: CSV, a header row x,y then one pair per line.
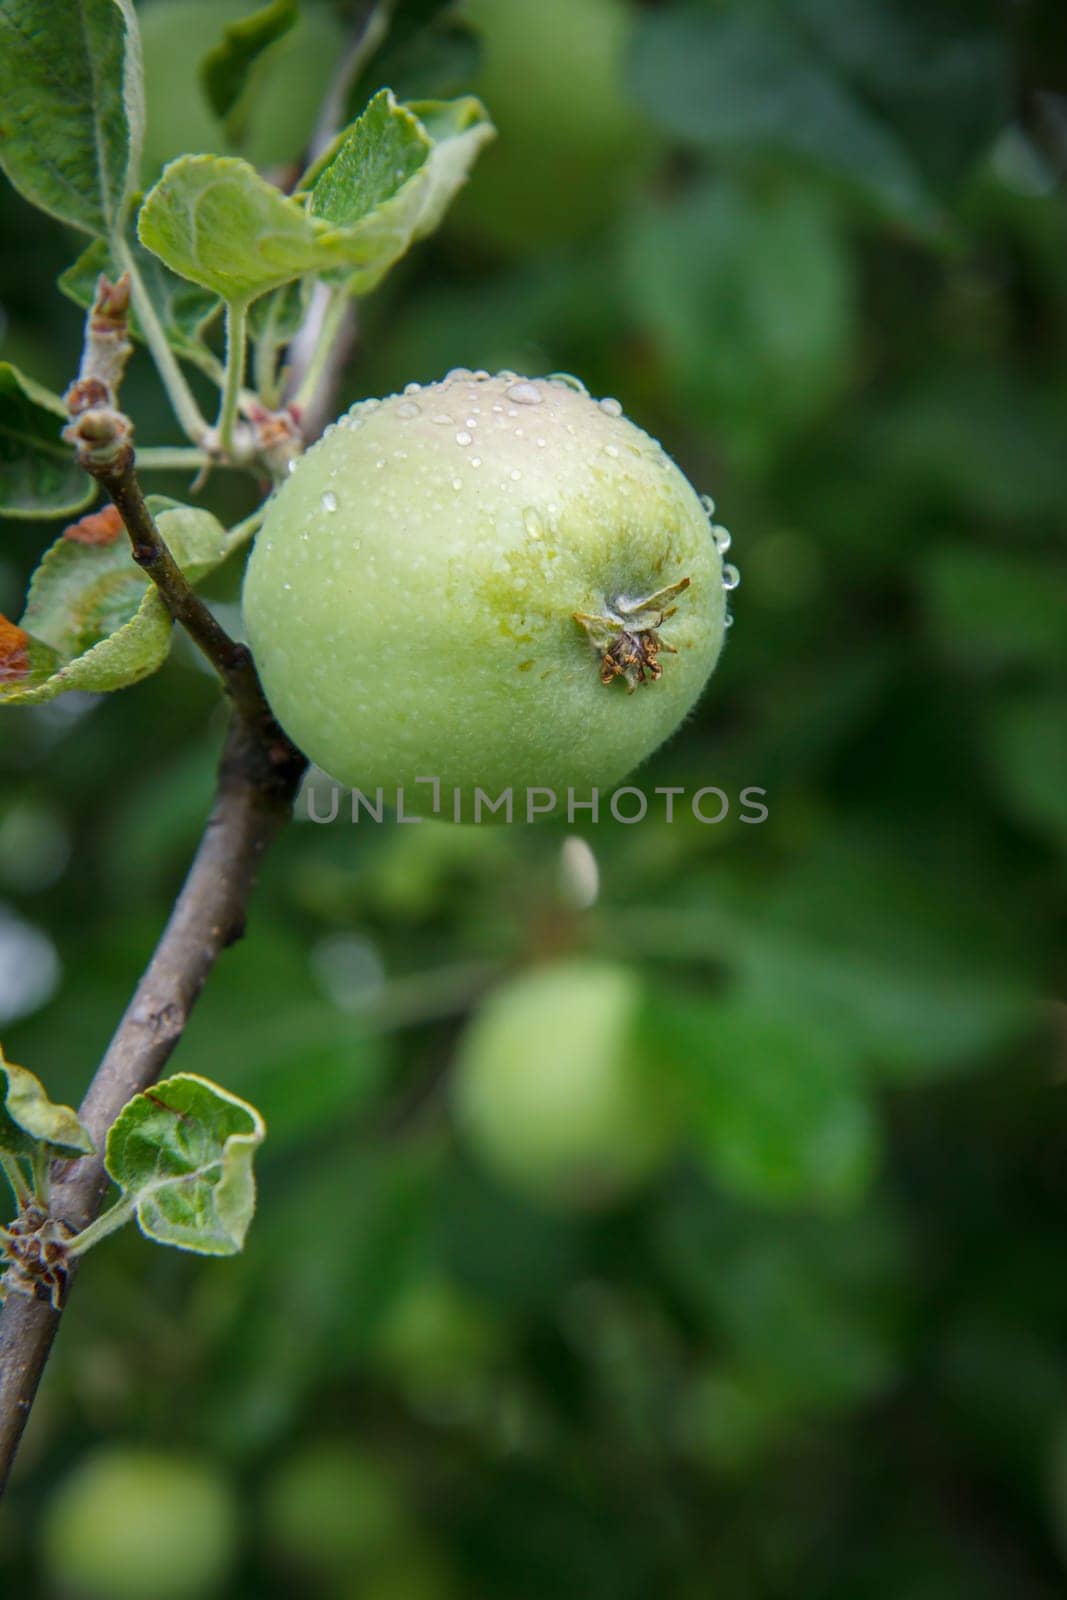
x,y
761,1293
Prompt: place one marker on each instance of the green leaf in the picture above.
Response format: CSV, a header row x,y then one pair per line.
x,y
810,1303
182,1155
183,309
368,162
936,71
1028,758
996,608
71,85
910,970
38,474
196,539
776,1109
215,221
389,178
93,621
385,182
28,1119
749,297
224,70
740,86
459,130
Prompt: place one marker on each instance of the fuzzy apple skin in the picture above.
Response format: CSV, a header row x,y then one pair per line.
x,y
411,597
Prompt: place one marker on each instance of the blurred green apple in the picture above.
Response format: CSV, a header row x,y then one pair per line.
x,y
554,1089
139,1525
552,78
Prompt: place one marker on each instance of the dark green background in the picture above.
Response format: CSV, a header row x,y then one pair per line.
x,y
819,250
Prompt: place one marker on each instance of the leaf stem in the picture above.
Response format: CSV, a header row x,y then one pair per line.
x,y
236,315
108,1221
330,310
41,1164
241,532
179,393
16,1178
178,458
104,450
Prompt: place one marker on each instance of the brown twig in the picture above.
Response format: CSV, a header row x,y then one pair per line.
x,y
258,777
102,440
257,782
253,800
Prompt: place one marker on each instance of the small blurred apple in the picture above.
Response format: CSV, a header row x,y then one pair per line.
x,y
139,1525
555,1091
552,78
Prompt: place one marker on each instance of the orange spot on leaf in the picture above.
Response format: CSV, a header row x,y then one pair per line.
x,y
99,527
14,651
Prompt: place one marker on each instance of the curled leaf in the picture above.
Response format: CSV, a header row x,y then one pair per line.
x,y
93,621
215,221
389,178
28,1119
182,1153
383,183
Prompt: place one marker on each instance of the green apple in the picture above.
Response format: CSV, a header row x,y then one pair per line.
x,y
493,582
139,1525
554,1090
552,75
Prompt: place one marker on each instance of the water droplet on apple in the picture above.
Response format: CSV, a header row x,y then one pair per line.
x,y
524,394
730,576
531,521
611,406
463,437
408,409
329,501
